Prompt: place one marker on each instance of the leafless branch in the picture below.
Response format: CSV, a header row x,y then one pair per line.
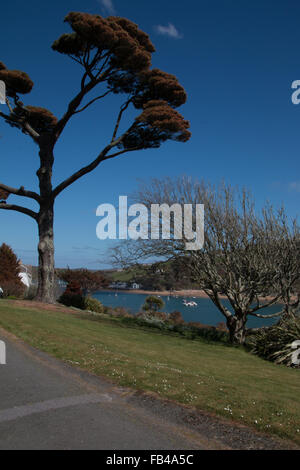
x,y
85,170
123,108
272,315
113,155
262,304
20,192
72,107
246,256
92,101
23,210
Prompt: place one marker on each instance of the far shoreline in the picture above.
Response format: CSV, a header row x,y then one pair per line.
x,y
167,293
194,293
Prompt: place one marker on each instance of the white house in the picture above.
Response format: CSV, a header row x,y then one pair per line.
x,y
135,286
25,276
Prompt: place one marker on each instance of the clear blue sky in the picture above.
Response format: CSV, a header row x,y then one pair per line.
x,y
237,60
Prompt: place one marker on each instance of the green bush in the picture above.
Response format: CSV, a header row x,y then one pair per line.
x,y
176,318
161,321
120,312
72,300
155,319
72,297
275,343
93,305
153,304
153,315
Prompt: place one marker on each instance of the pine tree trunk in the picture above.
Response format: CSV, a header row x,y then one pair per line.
x,y
46,276
237,328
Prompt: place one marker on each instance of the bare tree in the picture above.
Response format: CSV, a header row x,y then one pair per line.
x,y
115,57
249,259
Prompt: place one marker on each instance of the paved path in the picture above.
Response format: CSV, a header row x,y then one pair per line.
x,y
45,404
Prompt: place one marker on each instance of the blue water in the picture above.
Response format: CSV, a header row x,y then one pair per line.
x,y
205,312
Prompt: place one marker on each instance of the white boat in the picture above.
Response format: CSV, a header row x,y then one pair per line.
x,y
189,304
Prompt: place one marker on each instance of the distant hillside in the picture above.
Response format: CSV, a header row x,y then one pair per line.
x,y
122,276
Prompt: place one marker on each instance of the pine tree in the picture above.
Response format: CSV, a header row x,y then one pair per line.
x,y
9,272
113,56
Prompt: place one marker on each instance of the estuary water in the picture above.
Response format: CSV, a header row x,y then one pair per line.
x,y
205,312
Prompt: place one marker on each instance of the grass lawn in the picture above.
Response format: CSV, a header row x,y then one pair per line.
x,y
214,377
123,276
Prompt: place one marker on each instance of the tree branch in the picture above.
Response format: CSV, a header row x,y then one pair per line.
x,y
85,170
23,210
9,106
214,296
113,155
268,304
29,130
123,108
258,315
23,125
5,116
20,192
73,105
21,121
91,102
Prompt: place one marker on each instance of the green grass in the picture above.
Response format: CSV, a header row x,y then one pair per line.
x,y
123,276
221,379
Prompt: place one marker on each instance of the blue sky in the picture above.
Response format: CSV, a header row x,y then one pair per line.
x,y
237,60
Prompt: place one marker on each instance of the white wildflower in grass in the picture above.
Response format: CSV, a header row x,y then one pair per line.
x,y
228,408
